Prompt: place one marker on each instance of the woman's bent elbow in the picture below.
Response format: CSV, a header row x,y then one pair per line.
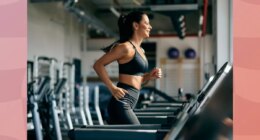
x,y
96,66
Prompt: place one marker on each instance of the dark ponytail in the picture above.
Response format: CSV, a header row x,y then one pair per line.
x,y
125,25
120,23
108,48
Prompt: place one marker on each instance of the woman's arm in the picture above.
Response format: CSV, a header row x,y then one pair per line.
x,y
115,54
154,74
146,78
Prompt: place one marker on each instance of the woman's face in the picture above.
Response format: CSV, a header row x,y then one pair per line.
x,y
143,28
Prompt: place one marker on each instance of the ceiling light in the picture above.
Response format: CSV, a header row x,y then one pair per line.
x,y
114,11
137,2
181,18
182,24
183,29
201,20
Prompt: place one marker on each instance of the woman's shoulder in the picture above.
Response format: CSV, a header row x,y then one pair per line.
x,y
125,46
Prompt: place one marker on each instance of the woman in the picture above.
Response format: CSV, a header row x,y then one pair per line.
x,y
133,66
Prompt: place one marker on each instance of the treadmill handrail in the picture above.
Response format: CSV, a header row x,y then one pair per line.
x,y
162,94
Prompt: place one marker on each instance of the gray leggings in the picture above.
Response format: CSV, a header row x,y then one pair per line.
x,y
121,112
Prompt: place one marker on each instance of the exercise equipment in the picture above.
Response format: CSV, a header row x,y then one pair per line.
x,y
143,126
170,119
220,85
190,53
151,94
100,120
86,105
173,53
42,99
34,97
152,97
63,96
67,71
29,71
51,100
154,113
207,116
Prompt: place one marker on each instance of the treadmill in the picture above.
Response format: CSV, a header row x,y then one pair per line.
x,y
153,120
207,121
221,82
34,97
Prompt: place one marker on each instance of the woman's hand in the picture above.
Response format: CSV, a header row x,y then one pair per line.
x,y
156,73
118,92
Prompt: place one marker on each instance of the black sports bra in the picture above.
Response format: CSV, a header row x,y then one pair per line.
x,y
136,66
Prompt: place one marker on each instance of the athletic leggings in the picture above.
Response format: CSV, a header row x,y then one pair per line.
x,y
121,112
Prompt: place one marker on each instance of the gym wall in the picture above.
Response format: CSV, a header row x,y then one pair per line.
x,y
53,32
163,44
182,73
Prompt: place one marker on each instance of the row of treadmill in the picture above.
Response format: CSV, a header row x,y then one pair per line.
x,y
200,118
55,104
